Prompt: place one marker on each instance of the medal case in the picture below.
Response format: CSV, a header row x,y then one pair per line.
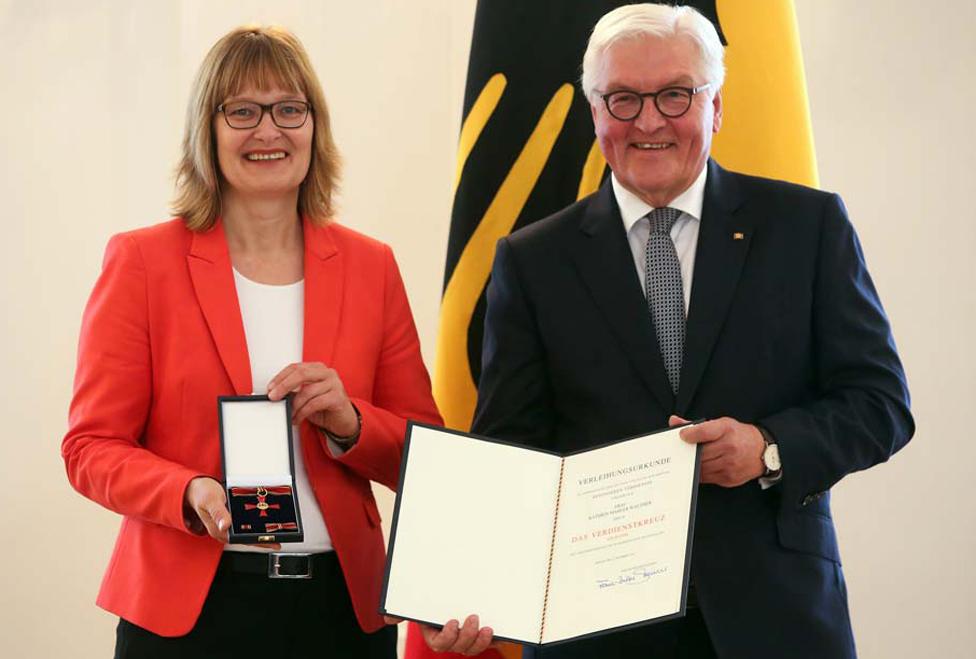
x,y
259,469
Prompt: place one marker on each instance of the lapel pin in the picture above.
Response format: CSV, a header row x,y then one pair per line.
x,y
738,235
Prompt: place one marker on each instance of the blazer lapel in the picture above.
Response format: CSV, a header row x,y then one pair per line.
x,y
324,286
723,242
213,281
606,265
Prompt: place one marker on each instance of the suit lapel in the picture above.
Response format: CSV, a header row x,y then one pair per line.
x,y
324,286
213,282
606,265
723,242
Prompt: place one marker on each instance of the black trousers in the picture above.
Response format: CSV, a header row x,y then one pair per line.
x,y
681,638
249,615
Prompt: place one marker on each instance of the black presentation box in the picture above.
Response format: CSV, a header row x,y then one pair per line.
x,y
259,469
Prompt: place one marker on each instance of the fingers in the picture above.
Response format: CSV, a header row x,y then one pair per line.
x,y
468,639
292,377
675,420
216,525
734,460
216,518
391,620
712,451
331,413
712,473
327,381
317,388
317,397
707,431
277,387
329,398
467,636
481,642
722,473
440,640
208,501
205,497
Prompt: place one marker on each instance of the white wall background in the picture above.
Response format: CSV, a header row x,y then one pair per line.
x,y
90,123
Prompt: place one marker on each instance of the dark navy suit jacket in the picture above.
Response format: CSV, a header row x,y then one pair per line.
x,y
784,329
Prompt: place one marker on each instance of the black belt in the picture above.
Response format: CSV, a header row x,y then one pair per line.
x,y
282,565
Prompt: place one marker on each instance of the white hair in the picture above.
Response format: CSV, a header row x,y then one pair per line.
x,y
659,21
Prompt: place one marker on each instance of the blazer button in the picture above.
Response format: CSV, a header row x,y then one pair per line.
x,y
807,500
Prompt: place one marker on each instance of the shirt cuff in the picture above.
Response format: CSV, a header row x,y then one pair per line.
x,y
766,482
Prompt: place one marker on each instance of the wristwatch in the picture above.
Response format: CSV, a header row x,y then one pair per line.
x,y
770,454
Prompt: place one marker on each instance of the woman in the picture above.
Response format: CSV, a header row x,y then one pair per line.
x,y
251,289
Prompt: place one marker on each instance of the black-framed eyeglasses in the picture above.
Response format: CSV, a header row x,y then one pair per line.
x,y
248,114
672,102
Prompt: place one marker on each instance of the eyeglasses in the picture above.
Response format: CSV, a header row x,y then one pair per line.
x,y
672,102
247,114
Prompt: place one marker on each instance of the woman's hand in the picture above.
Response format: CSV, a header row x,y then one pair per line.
x,y
320,397
205,511
205,508
469,639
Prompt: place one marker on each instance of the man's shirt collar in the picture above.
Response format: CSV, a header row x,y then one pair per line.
x,y
633,208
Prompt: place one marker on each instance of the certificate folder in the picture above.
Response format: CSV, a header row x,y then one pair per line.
x,y
544,547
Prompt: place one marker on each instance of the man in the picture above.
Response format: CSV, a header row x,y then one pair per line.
x,y
683,291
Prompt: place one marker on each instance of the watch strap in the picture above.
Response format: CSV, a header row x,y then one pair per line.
x,y
346,442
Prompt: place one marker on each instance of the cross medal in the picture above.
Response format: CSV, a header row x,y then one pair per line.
x,y
262,504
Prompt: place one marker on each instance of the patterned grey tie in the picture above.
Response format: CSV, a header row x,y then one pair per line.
x,y
662,279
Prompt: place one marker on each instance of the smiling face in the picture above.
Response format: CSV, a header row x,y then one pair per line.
x,y
265,161
653,156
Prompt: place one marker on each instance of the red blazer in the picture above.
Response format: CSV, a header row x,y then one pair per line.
x,y
162,337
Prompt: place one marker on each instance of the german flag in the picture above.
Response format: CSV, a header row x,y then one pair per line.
x,y
527,149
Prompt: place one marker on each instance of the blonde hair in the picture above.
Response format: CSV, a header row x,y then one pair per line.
x,y
654,20
261,57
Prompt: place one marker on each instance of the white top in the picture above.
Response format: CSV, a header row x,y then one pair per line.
x,y
684,233
274,326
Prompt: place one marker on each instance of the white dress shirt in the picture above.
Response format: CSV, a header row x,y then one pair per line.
x,y
684,233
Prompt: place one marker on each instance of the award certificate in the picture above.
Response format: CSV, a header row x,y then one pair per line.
x,y
544,547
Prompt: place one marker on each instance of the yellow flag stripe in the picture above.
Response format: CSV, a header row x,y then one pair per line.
x,y
454,388
766,118
478,116
592,171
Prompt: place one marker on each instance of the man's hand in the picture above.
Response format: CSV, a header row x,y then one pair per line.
x,y
452,637
731,450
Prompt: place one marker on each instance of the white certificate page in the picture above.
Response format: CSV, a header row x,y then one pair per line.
x,y
621,536
473,530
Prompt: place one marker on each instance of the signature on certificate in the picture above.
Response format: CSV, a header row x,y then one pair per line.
x,y
638,576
